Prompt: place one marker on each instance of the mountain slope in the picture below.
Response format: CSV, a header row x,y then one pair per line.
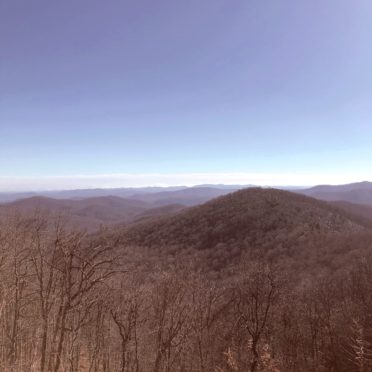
x,y
357,210
264,219
147,203
359,193
87,213
157,212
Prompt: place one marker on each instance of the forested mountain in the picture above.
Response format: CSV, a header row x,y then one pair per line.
x,y
155,213
363,211
88,213
256,280
354,193
91,212
273,221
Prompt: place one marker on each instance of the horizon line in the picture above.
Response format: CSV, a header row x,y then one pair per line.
x,y
19,184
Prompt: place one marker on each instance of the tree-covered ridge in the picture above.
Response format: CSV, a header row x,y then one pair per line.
x,y
272,221
75,302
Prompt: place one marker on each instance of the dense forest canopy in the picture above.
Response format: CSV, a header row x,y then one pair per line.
x,y
257,280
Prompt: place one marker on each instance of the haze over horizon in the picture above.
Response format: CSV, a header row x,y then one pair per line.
x,y
138,93
19,184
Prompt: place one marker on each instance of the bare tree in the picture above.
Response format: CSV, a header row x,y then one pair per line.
x,y
255,295
170,312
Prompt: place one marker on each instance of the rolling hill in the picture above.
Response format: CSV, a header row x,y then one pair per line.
x,y
91,212
88,213
274,221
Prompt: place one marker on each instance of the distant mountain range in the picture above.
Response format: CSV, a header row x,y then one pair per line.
x,y
190,196
93,207
86,193
91,212
6,197
359,193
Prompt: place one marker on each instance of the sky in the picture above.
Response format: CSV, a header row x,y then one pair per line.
x,y
137,92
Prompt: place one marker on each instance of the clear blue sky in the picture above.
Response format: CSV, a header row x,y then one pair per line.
x,y
91,88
